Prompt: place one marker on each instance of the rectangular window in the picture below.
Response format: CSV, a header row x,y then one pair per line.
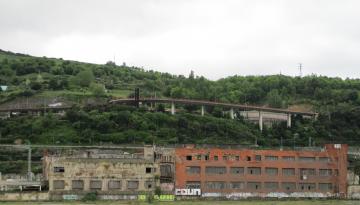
x,y
237,185
148,170
193,185
149,184
288,171
237,158
325,187
324,159
288,158
248,158
77,184
114,184
215,170
237,170
215,185
271,171
225,158
133,184
193,170
307,186
188,157
307,159
288,186
198,157
59,169
95,184
59,184
325,172
206,157
307,172
254,170
336,173
254,185
271,158
258,157
216,158
271,185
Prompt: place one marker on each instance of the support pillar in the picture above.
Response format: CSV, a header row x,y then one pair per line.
x,y
172,108
202,111
288,120
232,113
260,120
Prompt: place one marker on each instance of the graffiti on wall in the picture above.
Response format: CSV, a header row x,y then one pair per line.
x,y
188,192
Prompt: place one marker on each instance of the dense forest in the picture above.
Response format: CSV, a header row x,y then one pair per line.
x,y
336,100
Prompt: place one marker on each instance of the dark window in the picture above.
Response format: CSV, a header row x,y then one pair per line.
x,y
225,157
271,171
307,186
325,186
149,184
248,158
254,185
148,170
198,157
59,169
189,157
77,184
216,158
95,185
193,185
206,157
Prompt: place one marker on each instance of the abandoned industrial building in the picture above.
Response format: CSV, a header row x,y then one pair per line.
x,y
194,171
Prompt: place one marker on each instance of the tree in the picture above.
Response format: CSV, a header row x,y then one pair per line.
x,y
97,89
84,78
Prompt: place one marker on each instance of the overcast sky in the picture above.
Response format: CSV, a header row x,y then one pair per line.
x,y
214,38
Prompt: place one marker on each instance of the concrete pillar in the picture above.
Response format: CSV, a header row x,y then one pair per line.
x,y
288,120
202,111
232,113
172,108
260,120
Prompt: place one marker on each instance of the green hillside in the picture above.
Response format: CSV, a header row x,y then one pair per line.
x,y
336,100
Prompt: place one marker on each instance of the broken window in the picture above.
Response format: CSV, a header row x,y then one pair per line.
x,y
324,159
193,170
237,170
254,170
248,158
288,186
271,171
215,185
59,169
149,184
206,157
237,158
307,159
114,184
271,185
288,158
237,185
307,186
193,185
59,184
77,184
215,170
166,170
133,184
271,158
325,172
188,157
258,157
95,184
325,187
198,157
216,158
254,185
148,170
225,157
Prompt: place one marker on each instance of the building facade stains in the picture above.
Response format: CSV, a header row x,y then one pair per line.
x,y
239,173
102,171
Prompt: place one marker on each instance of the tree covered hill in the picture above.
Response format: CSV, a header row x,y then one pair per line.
x,y
336,100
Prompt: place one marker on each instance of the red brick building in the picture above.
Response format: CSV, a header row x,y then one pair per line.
x,y
236,173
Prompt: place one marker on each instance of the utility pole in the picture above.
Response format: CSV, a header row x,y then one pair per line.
x,y
300,70
29,173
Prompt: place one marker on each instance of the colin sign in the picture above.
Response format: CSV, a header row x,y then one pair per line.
x,y
188,192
